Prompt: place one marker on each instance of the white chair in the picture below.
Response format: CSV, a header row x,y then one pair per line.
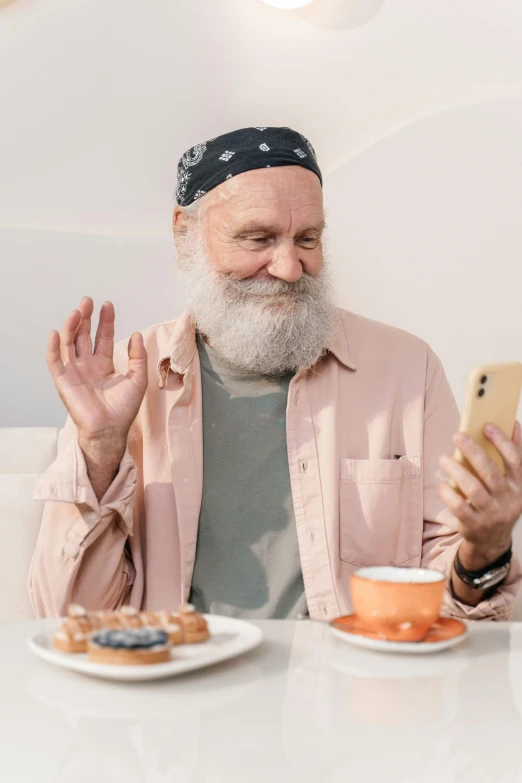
x,y
25,453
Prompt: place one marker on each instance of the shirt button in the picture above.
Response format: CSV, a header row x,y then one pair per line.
x,y
93,516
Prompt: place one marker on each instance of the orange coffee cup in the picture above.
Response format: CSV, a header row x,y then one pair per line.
x,y
400,604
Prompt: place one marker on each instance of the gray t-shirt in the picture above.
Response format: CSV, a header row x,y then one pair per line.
x,y
247,556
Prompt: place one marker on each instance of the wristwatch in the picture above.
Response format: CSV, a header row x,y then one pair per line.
x,y
487,577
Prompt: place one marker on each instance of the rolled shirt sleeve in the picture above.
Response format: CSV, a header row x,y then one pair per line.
x,y
80,552
441,538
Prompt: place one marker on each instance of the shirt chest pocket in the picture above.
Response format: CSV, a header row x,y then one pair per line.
x,y
380,515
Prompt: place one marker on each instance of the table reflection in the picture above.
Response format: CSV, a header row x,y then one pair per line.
x,y
352,714
138,731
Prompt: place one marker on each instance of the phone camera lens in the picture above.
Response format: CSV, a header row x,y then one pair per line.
x,y
481,392
484,379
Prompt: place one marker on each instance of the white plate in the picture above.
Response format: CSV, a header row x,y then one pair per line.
x,y
382,645
228,637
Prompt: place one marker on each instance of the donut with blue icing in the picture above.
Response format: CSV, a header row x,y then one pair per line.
x,y
129,646
130,638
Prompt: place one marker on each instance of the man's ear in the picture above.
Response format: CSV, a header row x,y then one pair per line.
x,y
179,221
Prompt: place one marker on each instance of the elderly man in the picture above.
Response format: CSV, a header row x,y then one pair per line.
x,y
250,455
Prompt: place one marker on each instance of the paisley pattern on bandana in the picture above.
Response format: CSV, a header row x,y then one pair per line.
x,y
206,165
194,155
308,145
191,157
183,177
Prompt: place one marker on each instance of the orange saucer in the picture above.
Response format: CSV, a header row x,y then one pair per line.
x,y
444,633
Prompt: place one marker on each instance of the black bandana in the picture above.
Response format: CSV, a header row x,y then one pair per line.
x,y
210,163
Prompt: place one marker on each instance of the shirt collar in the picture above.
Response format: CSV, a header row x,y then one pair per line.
x,y
338,345
182,346
180,349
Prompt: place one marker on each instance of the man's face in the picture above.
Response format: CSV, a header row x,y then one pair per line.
x,y
252,266
266,223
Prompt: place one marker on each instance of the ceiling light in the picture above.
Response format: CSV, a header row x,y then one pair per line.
x,y
288,4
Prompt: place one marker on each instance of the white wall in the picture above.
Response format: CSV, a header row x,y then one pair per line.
x,y
427,233
416,116
45,276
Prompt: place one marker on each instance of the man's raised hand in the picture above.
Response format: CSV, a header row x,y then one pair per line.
x,y
101,402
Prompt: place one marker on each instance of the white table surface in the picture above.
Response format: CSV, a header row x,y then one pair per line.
x,y
302,707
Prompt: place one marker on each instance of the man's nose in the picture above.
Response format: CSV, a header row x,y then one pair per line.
x,y
285,263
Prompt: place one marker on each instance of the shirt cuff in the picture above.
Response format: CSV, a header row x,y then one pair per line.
x,y
67,481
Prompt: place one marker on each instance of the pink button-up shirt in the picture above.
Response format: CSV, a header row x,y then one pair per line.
x,y
379,393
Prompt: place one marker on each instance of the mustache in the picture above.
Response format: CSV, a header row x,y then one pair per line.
x,y
273,286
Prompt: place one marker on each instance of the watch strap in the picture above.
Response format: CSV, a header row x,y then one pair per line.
x,y
472,578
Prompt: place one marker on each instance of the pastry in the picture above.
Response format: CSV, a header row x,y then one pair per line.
x,y
72,635
168,622
186,627
109,619
70,638
194,625
126,617
129,646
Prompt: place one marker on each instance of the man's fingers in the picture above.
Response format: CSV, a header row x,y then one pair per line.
x,y
104,342
488,471
54,359
83,340
509,451
137,360
471,487
68,336
459,507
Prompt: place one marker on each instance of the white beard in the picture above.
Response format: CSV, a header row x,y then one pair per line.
x,y
269,327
